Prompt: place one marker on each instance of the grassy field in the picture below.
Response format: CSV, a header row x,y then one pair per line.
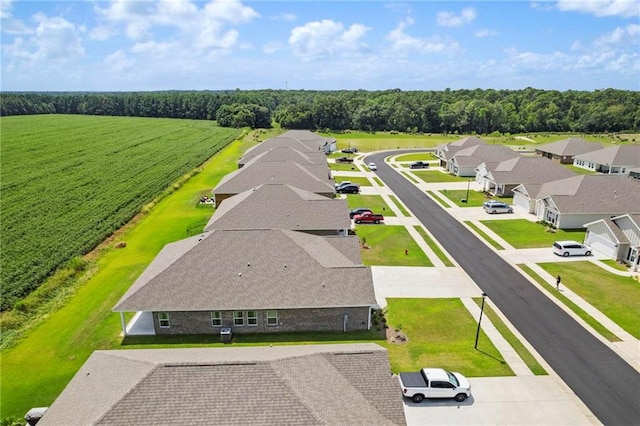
x,y
386,245
38,367
422,156
615,296
69,181
367,142
521,233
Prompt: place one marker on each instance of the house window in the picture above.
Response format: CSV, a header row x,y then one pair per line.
x,y
163,319
252,317
216,319
238,318
272,317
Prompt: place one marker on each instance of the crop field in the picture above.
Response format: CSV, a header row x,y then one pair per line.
x,y
68,182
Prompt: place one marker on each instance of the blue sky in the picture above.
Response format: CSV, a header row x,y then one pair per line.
x,y
125,45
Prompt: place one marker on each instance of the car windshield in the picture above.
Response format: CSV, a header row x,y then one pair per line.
x,y
453,379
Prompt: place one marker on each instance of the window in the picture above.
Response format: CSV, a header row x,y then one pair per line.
x,y
163,319
252,317
216,319
238,318
272,317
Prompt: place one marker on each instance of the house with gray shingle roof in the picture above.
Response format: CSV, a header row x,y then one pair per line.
x,y
254,281
465,161
500,179
619,159
445,152
327,144
289,149
282,206
308,176
299,385
617,237
571,203
564,151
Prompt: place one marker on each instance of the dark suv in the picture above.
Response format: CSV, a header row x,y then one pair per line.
x,y
359,210
419,165
348,189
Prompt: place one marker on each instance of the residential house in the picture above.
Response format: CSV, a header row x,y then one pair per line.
x,y
308,176
445,152
297,385
282,206
620,159
564,151
287,148
327,144
465,161
617,237
502,178
254,281
573,202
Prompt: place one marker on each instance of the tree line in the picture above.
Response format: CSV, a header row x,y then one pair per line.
x,y
449,111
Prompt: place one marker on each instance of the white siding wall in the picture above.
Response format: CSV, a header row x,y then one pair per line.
x,y
630,230
577,221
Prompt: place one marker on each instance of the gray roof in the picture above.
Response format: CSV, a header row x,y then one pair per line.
x,y
280,385
570,147
483,153
449,149
288,150
310,177
621,155
592,194
252,269
280,206
528,170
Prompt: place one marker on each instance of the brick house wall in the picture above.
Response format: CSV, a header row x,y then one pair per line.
x,y
289,320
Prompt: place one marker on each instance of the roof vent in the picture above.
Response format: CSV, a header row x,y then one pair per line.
x,y
239,274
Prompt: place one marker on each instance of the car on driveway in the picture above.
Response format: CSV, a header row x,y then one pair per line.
x,y
351,188
434,383
368,217
359,210
372,166
494,207
344,160
343,183
419,165
350,150
571,248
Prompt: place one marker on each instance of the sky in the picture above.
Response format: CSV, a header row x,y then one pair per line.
x,y
134,45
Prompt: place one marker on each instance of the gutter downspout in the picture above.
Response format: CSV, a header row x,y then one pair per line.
x,y
123,324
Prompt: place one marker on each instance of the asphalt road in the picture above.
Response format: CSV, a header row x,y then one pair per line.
x,y
606,384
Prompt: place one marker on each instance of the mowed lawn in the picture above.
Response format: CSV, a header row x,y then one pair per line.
x,y
521,233
374,202
36,370
386,245
69,181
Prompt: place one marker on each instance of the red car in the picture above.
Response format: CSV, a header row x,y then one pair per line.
x,y
368,217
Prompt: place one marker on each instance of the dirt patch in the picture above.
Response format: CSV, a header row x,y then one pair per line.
x,y
396,337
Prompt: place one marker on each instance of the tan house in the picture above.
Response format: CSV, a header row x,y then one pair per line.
x,y
564,151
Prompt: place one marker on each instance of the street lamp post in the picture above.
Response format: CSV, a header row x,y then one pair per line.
x,y
484,295
468,185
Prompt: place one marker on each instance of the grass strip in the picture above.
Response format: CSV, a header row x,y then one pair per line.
x,y
378,181
511,338
490,240
615,264
400,206
410,177
438,199
435,247
602,330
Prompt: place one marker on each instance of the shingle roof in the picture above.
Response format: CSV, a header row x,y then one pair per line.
x,y
285,152
450,149
297,385
605,194
483,153
621,155
280,206
528,170
570,147
310,177
252,269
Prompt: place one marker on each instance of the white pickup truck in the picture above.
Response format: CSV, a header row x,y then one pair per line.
x,y
434,383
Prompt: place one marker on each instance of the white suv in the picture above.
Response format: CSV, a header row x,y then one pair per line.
x,y
571,248
494,207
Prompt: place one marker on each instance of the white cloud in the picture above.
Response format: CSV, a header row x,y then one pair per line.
x,y
286,17
485,33
8,24
118,62
628,35
450,19
404,44
272,47
102,33
327,38
623,8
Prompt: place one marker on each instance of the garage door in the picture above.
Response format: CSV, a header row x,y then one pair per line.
x,y
606,247
521,202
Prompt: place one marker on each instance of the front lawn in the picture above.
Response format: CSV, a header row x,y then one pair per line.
x,y
386,245
436,176
362,181
441,333
476,198
418,156
615,296
374,202
521,233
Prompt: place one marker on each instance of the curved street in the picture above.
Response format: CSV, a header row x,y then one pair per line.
x,y
606,384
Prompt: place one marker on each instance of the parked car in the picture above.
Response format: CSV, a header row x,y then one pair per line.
x,y
494,207
359,210
434,383
372,166
344,160
352,188
571,248
368,217
343,183
419,165
350,150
